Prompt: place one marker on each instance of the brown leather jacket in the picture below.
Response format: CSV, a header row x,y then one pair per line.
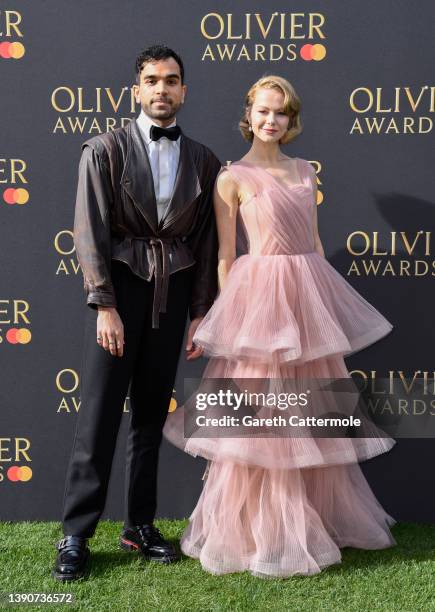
x,y
116,218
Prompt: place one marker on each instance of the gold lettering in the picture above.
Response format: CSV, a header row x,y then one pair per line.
x,y
80,101
220,23
22,445
62,387
259,19
294,25
20,313
12,24
62,234
69,93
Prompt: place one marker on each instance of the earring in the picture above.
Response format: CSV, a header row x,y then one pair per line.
x,y
250,128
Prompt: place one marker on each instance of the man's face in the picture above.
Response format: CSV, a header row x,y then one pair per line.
x,y
160,92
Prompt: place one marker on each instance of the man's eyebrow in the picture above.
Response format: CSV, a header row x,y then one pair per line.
x,y
168,76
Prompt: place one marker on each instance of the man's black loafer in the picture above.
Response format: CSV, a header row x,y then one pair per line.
x,y
149,542
72,558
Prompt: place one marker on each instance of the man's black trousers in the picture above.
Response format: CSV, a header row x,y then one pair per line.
x,y
150,363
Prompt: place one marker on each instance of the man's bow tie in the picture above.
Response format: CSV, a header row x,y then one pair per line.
x,y
157,132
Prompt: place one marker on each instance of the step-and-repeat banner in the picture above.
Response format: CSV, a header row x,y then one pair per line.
x,y
364,73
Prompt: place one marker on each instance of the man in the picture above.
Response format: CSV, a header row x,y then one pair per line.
x,y
146,240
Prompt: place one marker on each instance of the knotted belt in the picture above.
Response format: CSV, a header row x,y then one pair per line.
x,y
161,273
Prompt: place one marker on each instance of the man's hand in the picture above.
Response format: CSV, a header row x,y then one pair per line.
x,y
193,351
110,330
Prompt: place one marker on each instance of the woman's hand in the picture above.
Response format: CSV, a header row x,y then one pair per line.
x,y
110,331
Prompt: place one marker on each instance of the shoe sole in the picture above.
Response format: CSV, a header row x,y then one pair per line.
x,y
64,578
132,547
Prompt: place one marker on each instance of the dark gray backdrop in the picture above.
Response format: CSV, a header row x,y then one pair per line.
x,y
379,182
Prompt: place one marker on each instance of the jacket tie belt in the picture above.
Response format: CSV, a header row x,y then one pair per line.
x,y
160,252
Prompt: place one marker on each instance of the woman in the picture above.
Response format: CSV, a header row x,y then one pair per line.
x,y
278,506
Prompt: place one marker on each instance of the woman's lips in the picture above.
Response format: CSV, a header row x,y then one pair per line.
x,y
270,131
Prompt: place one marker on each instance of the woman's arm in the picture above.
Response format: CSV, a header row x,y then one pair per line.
x,y
226,202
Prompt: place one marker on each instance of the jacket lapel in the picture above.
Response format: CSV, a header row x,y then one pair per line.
x,y
137,180
187,186
137,177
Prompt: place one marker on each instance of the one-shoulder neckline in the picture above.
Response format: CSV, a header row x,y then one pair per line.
x,y
285,184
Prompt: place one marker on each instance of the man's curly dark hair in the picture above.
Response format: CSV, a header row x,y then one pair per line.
x,y
154,54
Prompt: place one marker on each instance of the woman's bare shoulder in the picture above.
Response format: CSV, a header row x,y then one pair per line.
x,y
226,178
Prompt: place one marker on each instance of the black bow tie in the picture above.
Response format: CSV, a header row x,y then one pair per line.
x,y
157,132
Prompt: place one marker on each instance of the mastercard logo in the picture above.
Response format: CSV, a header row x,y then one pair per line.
x,y
19,474
313,52
18,335
13,50
16,196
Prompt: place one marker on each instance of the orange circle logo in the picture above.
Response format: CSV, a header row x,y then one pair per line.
x,y
25,473
16,196
13,50
319,197
18,336
310,52
19,474
172,405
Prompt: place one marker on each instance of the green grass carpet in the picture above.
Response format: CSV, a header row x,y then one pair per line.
x,y
398,579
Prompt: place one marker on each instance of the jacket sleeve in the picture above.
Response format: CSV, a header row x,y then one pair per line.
x,y
205,249
92,228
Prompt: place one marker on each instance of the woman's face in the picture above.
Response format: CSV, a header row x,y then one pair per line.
x,y
267,117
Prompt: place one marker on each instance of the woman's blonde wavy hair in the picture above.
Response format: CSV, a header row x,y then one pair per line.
x,y
292,106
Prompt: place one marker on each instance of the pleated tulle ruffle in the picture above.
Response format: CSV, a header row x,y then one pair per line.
x,y
277,523
290,308
301,450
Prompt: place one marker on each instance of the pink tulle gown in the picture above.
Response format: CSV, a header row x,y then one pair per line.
x,y
280,506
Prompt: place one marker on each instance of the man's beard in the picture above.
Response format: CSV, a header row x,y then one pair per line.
x,y
168,113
